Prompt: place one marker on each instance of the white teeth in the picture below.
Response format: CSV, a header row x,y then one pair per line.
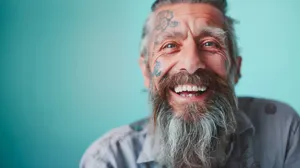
x,y
202,89
182,88
179,88
187,95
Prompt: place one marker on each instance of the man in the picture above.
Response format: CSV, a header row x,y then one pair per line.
x,y
190,63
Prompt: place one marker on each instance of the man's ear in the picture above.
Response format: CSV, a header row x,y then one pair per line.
x,y
238,69
145,70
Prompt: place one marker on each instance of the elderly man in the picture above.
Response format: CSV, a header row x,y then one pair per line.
x,y
190,63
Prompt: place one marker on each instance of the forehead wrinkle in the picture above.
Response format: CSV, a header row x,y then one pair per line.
x,y
171,35
189,16
196,10
192,21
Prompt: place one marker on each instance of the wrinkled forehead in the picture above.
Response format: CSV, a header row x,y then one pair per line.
x,y
186,16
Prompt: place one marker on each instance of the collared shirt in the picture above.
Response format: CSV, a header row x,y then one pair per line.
x,y
267,136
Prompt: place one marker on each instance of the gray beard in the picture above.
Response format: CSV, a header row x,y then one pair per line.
x,y
200,142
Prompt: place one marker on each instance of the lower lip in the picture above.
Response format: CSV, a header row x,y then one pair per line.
x,y
187,99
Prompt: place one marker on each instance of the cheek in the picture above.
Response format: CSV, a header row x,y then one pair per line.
x,y
160,67
218,64
157,71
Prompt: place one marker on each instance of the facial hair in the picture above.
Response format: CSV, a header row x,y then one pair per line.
x,y
201,140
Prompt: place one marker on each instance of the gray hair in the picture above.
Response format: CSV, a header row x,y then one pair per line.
x,y
219,4
197,134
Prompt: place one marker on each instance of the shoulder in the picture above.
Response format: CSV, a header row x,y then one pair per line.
x,y
268,107
107,148
275,125
269,114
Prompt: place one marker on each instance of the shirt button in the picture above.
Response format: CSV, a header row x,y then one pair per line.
x,y
270,108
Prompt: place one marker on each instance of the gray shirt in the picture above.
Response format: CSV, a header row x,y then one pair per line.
x,y
267,136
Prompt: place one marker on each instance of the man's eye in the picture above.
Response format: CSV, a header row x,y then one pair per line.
x,y
170,45
210,44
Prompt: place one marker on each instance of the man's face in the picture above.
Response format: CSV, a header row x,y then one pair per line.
x,y
183,39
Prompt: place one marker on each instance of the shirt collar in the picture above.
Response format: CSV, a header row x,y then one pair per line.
x,y
147,154
243,123
150,146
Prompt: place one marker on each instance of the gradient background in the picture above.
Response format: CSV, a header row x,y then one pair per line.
x,y
69,70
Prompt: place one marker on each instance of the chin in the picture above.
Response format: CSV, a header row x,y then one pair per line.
x,y
190,112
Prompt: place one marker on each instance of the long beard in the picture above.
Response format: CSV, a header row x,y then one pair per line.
x,y
200,141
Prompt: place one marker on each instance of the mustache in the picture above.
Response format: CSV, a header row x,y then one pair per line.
x,y
200,77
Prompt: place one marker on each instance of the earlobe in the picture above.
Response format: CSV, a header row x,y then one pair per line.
x,y
238,69
145,71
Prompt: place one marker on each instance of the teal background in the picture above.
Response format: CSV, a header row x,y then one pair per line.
x,y
69,70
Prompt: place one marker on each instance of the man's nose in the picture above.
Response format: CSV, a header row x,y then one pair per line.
x,y
191,59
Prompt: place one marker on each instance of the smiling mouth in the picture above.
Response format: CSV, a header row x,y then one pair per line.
x,y
189,90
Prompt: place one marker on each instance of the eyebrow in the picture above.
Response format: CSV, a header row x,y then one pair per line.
x,y
215,32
